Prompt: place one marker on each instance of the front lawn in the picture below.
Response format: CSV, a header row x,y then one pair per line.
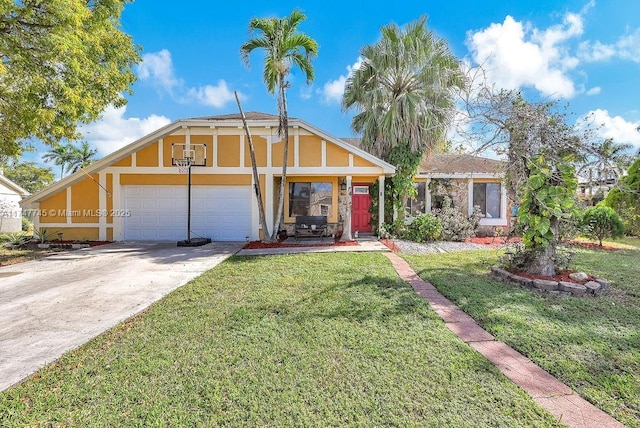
x,y
591,344
19,255
303,340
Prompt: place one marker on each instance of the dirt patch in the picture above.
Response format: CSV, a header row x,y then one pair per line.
x,y
258,245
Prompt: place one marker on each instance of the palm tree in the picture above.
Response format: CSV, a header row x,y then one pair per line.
x,y
83,156
607,161
404,96
61,155
284,48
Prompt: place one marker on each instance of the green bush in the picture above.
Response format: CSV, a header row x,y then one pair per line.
x,y
602,222
27,226
424,228
15,240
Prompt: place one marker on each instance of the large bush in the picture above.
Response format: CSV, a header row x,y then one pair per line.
x,y
424,228
456,226
625,199
601,222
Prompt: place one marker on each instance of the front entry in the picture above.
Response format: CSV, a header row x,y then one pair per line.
x,y
360,204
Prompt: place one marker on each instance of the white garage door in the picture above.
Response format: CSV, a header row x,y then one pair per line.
x,y
159,213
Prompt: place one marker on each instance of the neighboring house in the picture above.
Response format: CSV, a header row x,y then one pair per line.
x,y
596,189
137,192
469,181
10,212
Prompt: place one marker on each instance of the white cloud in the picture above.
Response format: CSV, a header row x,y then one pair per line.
x,y
616,127
594,91
627,47
216,96
333,90
113,130
515,54
157,69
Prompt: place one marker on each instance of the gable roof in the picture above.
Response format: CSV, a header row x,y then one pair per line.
x,y
227,120
13,186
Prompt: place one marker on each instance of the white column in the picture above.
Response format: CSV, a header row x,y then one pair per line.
x,y
380,201
102,205
346,232
427,196
268,206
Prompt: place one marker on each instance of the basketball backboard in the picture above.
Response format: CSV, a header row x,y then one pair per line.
x,y
194,154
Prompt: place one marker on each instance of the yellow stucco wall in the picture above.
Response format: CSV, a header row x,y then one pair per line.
x,y
228,150
109,233
109,187
337,156
358,161
277,150
148,156
124,162
79,233
310,151
53,208
84,201
260,148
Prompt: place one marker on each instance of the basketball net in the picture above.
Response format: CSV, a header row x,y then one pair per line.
x,y
183,165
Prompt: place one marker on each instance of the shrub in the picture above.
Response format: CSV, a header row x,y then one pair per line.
x,y
424,228
396,229
15,240
27,226
602,222
456,226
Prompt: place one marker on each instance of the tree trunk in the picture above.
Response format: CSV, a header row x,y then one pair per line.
x,y
544,262
284,125
256,177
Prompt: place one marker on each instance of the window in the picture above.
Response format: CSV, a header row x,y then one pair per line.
x,y
416,205
310,199
488,197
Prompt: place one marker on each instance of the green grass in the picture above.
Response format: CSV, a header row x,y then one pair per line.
x,y
591,344
304,340
19,255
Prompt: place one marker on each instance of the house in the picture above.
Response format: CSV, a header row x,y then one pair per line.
x,y
10,212
469,181
140,193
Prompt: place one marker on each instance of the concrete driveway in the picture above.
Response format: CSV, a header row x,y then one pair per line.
x,y
52,305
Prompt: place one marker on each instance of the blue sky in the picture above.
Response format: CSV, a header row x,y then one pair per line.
x,y
584,53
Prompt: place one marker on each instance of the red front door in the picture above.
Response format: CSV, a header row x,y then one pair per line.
x,y
360,204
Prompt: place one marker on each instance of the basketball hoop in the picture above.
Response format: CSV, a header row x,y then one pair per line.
x,y
183,165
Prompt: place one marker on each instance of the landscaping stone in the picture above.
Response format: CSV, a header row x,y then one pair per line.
x,y
593,287
604,283
579,276
521,280
546,285
574,289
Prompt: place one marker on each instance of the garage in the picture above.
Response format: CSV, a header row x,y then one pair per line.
x,y
159,213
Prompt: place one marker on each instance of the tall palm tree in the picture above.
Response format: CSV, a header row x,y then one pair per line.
x,y
83,156
284,48
404,96
606,161
61,155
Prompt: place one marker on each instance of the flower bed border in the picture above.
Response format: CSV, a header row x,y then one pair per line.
x,y
591,288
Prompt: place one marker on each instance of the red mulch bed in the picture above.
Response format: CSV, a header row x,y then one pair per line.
x,y
390,245
593,246
560,276
68,243
258,245
493,241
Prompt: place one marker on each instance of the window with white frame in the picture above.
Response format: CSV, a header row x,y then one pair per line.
x,y
417,205
307,198
488,196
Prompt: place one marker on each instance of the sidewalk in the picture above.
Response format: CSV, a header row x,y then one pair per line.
x,y
551,394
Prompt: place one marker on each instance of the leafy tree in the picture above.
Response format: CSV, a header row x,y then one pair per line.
x,y
284,48
602,222
625,198
63,62
404,97
29,176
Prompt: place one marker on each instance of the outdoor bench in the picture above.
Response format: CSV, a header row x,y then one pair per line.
x,y
311,225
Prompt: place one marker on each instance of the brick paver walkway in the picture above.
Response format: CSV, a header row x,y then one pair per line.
x,y
553,395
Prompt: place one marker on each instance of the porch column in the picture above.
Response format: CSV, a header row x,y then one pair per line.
x,y
380,201
346,232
